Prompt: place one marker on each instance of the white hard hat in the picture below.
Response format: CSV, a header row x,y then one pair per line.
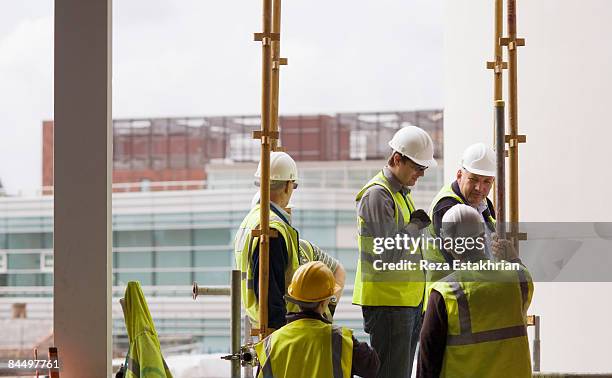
x,y
480,160
414,143
462,221
282,167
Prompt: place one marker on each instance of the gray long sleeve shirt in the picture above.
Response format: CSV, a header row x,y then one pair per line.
x,y
377,208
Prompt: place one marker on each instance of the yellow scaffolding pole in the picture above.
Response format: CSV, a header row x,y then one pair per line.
x,y
266,136
514,138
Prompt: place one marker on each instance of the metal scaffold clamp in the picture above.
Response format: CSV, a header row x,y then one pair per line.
x,y
247,356
497,66
280,62
514,140
512,43
266,138
266,38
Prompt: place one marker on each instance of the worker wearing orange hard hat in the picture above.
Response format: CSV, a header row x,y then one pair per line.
x,y
309,345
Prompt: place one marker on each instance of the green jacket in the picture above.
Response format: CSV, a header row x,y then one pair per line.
x,y
144,358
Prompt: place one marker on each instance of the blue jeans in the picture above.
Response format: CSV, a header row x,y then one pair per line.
x,y
394,334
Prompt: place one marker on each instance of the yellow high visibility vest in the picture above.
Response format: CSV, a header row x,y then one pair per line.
x,y
387,287
432,253
487,334
144,356
306,348
244,245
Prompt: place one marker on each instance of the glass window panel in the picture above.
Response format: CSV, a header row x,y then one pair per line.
x,y
169,259
134,260
134,238
47,261
24,261
173,278
214,258
138,220
348,258
3,264
212,278
28,279
324,237
212,236
47,279
32,240
3,241
347,217
173,218
48,240
144,278
173,237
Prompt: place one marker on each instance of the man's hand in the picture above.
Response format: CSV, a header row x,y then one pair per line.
x,y
420,219
503,249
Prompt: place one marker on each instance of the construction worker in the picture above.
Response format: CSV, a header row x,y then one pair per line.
x,y
391,300
308,251
473,183
309,345
284,249
474,325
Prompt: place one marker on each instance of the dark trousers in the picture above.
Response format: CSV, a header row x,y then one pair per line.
x,y
394,333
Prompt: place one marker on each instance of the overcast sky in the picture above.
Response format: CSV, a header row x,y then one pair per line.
x,y
197,58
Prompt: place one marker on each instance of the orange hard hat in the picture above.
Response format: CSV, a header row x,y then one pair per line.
x,y
312,282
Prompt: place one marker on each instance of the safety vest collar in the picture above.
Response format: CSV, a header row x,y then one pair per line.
x,y
394,184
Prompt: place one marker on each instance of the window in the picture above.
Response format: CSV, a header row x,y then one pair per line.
x,y
212,236
173,237
46,262
133,238
24,261
28,240
173,259
2,262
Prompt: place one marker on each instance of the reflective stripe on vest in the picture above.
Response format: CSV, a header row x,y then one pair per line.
x,y
321,349
387,287
487,334
244,245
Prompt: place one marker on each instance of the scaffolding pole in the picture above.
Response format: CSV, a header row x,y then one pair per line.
x,y
498,65
266,136
277,61
500,180
513,139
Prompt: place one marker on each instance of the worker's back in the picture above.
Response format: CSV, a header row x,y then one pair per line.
x,y
487,335
306,348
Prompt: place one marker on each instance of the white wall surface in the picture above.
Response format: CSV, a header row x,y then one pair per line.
x,y
564,74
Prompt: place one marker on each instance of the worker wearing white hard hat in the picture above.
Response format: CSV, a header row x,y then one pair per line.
x,y
474,324
287,250
283,249
391,300
285,168
474,180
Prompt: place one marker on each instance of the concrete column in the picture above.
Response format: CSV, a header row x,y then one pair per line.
x,y
83,153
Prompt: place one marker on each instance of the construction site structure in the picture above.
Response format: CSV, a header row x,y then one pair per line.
x,y
152,154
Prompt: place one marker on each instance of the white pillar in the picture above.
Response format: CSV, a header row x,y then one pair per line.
x,y
564,79
83,146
